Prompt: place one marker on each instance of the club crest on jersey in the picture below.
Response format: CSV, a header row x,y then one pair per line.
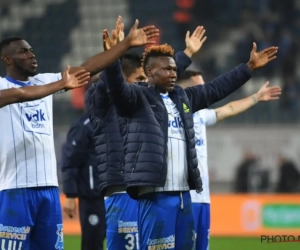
x,y
36,118
60,237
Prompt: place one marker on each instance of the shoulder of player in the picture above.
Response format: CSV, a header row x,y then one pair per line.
x,y
45,78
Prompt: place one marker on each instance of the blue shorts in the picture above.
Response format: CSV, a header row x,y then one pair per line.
x,y
121,221
31,219
165,221
201,213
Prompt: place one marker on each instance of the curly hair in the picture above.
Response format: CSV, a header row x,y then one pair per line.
x,y
156,51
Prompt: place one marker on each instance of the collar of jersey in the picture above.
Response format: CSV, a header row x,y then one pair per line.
x,y
22,84
164,96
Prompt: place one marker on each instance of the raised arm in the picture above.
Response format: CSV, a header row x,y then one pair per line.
x,y
264,94
122,94
136,37
30,93
202,96
193,45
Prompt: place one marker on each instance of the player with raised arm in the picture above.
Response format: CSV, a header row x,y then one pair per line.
x,y
121,210
161,164
30,201
207,117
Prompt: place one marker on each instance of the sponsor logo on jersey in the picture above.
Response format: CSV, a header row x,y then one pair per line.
x,y
162,243
200,142
59,245
176,125
36,118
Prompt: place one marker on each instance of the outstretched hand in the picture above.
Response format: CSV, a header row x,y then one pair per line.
x,y
266,93
195,41
261,58
138,37
117,35
76,80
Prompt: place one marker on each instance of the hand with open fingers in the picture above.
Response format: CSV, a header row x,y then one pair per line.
x,y
108,42
195,41
266,93
261,58
76,80
138,37
70,207
120,29
117,35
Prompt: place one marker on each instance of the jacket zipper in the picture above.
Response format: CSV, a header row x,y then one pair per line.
x,y
91,177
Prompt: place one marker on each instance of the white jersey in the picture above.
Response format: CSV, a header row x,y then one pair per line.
x,y
27,156
202,119
177,173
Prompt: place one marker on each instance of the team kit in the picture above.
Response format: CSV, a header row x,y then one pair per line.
x,y
149,140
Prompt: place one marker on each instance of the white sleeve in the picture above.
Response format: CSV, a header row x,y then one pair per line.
x,y
210,117
42,79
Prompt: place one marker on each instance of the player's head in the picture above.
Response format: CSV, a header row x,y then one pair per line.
x,y
18,57
132,68
191,78
160,67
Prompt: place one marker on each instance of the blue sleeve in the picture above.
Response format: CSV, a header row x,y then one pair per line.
x,y
123,95
75,152
182,63
202,96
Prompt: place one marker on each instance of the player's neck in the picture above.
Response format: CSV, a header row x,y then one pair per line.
x,y
17,76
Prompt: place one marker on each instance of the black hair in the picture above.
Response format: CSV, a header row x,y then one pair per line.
x,y
189,74
6,42
130,62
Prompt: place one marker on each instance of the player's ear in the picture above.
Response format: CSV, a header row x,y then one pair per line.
x,y
6,60
148,72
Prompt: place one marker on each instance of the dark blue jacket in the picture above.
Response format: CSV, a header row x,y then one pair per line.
x,y
107,136
108,139
79,169
145,131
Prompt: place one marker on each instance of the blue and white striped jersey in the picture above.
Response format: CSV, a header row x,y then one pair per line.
x,y
177,174
27,155
202,118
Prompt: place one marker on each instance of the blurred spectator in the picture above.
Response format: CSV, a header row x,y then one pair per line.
x,y
289,176
243,173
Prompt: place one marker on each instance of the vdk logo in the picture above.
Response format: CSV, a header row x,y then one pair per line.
x,y
36,119
199,142
176,123
39,116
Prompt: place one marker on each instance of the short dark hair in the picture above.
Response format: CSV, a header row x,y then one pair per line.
x,y
6,42
156,51
189,74
130,62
